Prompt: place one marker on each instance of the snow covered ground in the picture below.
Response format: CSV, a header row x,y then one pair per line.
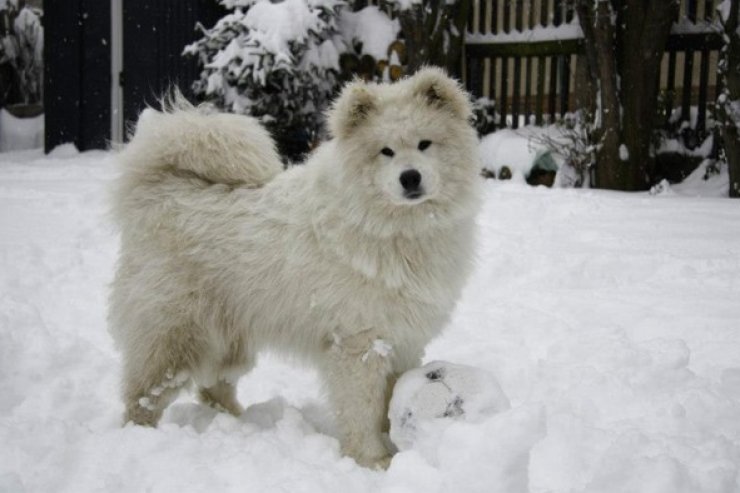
x,y
612,322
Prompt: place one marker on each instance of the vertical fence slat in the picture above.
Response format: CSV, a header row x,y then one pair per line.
x,y
503,96
482,9
503,93
704,76
568,69
557,12
516,98
671,83
540,96
554,62
470,23
703,91
540,105
688,67
552,94
493,8
492,90
564,88
528,69
475,76
527,89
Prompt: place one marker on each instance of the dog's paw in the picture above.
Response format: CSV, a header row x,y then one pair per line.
x,y
376,456
382,464
379,464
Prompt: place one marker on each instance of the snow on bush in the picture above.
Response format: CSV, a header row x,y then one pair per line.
x,y
280,61
370,29
276,61
21,48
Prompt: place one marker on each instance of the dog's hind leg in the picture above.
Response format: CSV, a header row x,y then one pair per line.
x,y
154,372
222,397
358,371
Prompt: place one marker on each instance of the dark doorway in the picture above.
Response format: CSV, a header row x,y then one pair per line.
x,y
154,36
77,73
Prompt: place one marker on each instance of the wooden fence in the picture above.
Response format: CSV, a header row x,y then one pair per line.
x,y
528,54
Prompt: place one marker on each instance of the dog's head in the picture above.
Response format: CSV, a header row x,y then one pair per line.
x,y
408,147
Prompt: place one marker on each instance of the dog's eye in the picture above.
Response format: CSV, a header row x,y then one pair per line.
x,y
424,144
387,151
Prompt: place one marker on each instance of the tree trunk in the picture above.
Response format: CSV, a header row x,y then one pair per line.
x,y
731,137
599,33
624,45
730,121
647,26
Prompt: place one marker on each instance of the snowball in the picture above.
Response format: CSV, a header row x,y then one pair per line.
x,y
441,392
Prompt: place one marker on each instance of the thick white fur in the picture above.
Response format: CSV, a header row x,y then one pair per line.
x,y
224,254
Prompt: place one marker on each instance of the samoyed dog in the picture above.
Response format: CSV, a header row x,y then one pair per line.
x,y
352,262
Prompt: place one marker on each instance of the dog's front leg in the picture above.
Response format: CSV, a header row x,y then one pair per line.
x,y
358,370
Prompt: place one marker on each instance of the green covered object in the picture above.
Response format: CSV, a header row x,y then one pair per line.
x,y
544,161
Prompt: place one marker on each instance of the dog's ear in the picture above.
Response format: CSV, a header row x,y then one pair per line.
x,y
351,108
437,89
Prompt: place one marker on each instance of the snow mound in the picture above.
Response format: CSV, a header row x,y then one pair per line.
x,y
426,399
511,149
493,455
449,419
20,133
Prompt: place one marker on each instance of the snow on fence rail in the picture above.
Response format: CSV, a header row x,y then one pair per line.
x,y
527,55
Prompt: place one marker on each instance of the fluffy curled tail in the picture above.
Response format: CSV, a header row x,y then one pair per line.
x,y
197,141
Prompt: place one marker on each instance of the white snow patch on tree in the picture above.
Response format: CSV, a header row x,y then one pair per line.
x,y
724,11
624,153
372,28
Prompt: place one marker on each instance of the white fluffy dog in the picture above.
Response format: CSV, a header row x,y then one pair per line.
x,y
353,261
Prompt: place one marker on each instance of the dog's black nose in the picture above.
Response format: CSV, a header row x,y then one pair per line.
x,y
410,180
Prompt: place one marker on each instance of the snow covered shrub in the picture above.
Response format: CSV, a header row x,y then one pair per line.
x,y
574,141
275,61
21,53
280,61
